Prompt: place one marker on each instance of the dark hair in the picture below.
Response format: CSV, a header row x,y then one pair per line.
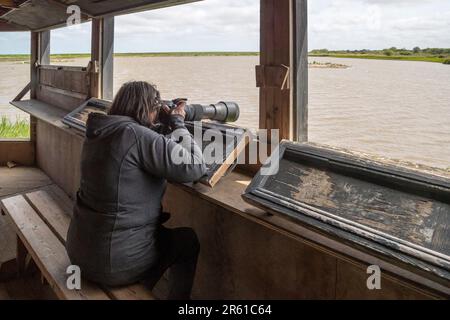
x,y
137,99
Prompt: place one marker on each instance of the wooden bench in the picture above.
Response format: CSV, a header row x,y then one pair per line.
x,y
41,220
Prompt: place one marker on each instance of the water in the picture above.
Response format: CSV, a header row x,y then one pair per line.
x,y
394,109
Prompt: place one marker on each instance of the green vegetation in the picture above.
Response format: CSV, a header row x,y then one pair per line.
x,y
62,57
439,55
14,130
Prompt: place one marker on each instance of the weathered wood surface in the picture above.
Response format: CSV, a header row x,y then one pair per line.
x,y
23,92
49,14
47,251
42,111
405,216
20,152
55,208
14,181
232,143
275,103
247,253
20,179
63,167
74,79
300,70
361,202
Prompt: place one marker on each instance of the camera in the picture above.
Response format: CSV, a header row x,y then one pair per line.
x,y
221,111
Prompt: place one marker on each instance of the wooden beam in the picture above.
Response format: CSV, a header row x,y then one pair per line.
x,y
23,92
44,48
95,58
300,70
34,60
102,58
275,101
107,62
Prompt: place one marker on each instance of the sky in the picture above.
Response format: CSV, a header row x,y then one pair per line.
x,y
233,25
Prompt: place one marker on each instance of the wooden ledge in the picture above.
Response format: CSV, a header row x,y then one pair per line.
x,y
48,113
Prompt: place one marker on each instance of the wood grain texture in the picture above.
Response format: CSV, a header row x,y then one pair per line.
x,y
47,251
53,212
72,80
226,195
20,152
398,213
300,70
20,179
275,103
7,241
63,167
351,285
55,208
243,260
389,210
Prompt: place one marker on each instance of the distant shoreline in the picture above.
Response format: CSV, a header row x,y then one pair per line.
x,y
25,57
380,57
61,57
437,55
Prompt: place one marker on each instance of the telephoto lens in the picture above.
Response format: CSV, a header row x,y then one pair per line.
x,y
221,111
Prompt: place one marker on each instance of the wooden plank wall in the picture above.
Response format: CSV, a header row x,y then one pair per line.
x,y
58,155
275,103
20,152
241,259
66,88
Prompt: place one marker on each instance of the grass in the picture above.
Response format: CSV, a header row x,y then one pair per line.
x,y
14,130
58,57
383,57
437,55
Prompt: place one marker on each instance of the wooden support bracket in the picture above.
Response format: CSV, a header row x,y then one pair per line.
x,y
23,92
273,77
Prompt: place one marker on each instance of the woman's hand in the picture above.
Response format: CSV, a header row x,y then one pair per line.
x,y
179,110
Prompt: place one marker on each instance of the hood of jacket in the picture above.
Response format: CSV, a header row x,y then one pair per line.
x,y
99,124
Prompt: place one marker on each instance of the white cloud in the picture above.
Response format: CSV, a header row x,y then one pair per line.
x,y
233,25
374,24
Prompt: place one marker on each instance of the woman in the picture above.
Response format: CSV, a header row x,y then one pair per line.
x,y
116,235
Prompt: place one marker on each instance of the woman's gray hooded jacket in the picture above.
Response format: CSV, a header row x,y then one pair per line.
x,y
124,169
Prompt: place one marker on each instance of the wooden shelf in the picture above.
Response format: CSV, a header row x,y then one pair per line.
x,y
45,112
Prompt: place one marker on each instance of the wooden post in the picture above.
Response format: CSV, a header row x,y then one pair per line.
x,y
300,70
34,60
95,58
108,58
40,54
44,48
102,58
275,59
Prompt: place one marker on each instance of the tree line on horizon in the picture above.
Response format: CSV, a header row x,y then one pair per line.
x,y
442,52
